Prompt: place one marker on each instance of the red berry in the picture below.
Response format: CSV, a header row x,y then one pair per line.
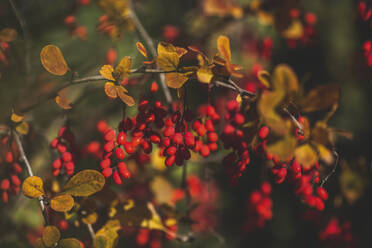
x,y
105,163
107,172
204,151
110,135
119,153
4,197
201,130
17,168
109,146
189,139
154,87
239,119
266,188
122,138
54,143
5,184
310,18
209,125
63,225
61,148
102,126
15,180
67,156
9,157
171,150
117,178
322,193
123,170
111,56
69,167
263,132
57,164
212,137
155,139
129,148
169,131
177,138
170,160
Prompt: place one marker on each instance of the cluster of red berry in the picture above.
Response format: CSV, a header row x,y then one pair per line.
x,y
308,34
8,162
337,235
74,28
234,136
259,207
65,145
365,13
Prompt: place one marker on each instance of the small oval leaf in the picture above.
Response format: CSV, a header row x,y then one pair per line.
x,y
62,203
85,183
69,243
51,236
53,61
33,187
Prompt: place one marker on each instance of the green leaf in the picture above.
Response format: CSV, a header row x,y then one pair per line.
x,y
85,183
51,236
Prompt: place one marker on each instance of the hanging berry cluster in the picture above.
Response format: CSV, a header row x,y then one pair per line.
x,y
10,184
66,147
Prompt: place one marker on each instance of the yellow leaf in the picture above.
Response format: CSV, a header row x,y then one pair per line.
x,y
168,58
124,97
8,35
62,203
107,236
283,148
23,128
204,74
325,154
321,98
16,118
155,221
175,80
63,102
306,156
39,243
106,72
51,236
285,78
294,31
85,183
90,219
181,51
141,48
264,78
267,104
53,60
123,69
33,187
162,190
69,243
223,46
110,90
157,161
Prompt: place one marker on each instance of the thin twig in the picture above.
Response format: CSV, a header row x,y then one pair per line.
x,y
295,121
26,35
101,78
91,231
335,153
23,158
145,36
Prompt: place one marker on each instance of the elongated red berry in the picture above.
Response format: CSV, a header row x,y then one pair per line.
x,y
110,135
170,160
263,132
107,172
119,153
123,170
105,163
117,178
122,138
5,184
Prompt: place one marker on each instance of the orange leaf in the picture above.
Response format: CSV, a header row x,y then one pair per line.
x,y
16,118
264,78
306,156
321,98
23,128
181,51
285,78
53,61
204,74
168,58
175,80
124,97
8,35
106,72
142,49
223,46
63,102
110,90
123,69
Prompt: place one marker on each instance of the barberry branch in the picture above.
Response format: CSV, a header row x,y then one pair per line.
x,y
146,37
335,153
91,231
54,93
26,35
23,158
